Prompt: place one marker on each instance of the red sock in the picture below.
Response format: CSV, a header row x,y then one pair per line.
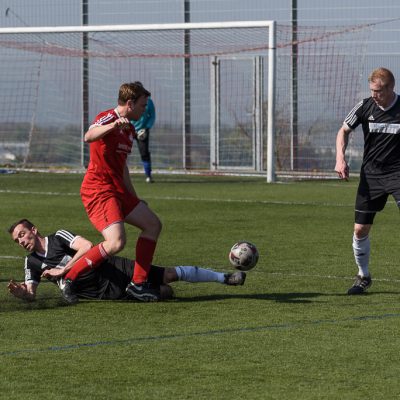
x,y
144,256
92,259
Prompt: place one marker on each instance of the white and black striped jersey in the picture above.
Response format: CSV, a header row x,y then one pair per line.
x,y
58,252
381,136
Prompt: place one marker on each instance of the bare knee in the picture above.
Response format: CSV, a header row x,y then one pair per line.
x,y
114,245
153,228
361,231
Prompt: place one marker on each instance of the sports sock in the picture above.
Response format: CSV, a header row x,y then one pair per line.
x,y
144,256
90,260
197,274
147,168
361,250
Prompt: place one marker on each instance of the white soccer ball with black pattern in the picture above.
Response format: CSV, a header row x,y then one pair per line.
x,y
243,255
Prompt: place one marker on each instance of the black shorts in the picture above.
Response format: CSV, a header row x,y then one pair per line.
x,y
372,195
110,279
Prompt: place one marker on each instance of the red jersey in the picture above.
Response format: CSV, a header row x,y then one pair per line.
x,y
108,155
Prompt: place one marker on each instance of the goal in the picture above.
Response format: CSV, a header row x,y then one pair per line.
x,y
211,84
244,97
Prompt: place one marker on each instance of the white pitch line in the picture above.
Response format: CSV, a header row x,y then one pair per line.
x,y
272,202
329,277
38,193
210,200
11,258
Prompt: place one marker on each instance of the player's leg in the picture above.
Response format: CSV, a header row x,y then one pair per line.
x,y
157,281
146,220
361,251
114,238
115,274
361,248
371,198
114,241
160,278
106,215
90,260
194,274
143,146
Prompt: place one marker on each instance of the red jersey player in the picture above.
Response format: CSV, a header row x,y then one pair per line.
x,y
110,199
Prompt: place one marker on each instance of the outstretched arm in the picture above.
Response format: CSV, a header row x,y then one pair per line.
x,y
25,291
342,140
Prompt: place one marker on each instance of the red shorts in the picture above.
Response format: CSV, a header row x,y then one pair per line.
x,y
106,207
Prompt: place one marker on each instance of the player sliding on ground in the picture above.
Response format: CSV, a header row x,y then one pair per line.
x,y
52,256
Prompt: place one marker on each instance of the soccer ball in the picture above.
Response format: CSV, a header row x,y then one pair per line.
x,y
243,256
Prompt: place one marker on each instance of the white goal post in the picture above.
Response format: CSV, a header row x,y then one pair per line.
x,y
153,62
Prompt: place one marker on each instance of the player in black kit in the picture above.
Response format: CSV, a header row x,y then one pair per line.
x,y
52,256
379,116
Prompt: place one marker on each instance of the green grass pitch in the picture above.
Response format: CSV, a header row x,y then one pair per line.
x,y
290,332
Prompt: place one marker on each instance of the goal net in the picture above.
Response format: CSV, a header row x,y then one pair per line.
x,y
319,79
214,86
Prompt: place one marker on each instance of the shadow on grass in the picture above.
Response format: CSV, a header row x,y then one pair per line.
x,y
48,303
44,303
306,297
277,297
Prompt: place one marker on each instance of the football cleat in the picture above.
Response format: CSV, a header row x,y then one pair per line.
x,y
142,292
68,293
360,285
235,279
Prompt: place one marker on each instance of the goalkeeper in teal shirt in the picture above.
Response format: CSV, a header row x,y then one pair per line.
x,y
142,128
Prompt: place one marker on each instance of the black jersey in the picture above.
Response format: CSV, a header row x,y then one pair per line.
x,y
58,252
108,281
381,136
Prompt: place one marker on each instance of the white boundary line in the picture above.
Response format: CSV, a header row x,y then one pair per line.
x,y
276,202
211,200
329,277
37,193
11,258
